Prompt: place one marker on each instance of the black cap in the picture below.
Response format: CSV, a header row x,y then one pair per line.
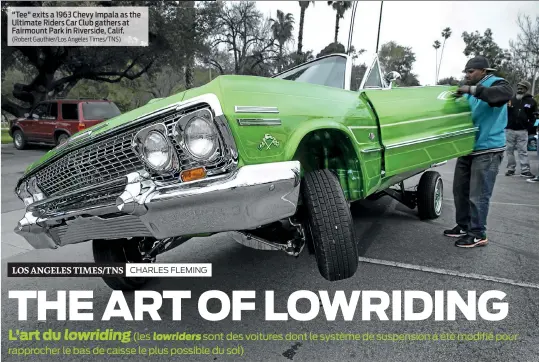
x,y
479,62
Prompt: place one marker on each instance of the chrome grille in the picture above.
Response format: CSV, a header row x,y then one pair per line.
x,y
100,196
113,159
94,164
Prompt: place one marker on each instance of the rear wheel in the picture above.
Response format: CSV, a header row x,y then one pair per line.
x,y
62,138
430,194
119,251
329,225
19,140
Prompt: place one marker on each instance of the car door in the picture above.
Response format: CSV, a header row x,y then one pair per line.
x,y
47,123
419,126
31,126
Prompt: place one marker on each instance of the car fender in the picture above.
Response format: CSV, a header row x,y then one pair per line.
x,y
61,130
319,124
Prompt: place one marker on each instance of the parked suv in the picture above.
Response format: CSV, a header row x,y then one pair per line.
x,y
54,121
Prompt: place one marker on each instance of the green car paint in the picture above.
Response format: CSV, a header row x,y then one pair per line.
x,y
372,139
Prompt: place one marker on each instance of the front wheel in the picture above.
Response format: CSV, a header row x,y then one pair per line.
x,y
61,139
430,195
119,251
19,140
329,225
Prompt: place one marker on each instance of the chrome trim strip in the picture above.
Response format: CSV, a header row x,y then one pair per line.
x,y
370,150
437,164
348,73
432,138
259,122
255,109
426,119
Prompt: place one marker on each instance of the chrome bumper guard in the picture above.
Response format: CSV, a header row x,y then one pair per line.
x,y
251,196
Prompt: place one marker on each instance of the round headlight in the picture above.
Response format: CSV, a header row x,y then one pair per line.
x,y
156,151
200,138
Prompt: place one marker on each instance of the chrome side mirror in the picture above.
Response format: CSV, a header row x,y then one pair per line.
x,y
391,76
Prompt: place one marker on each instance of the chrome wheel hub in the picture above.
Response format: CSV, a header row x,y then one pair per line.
x,y
438,196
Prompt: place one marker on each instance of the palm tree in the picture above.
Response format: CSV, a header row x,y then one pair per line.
x,y
436,46
340,7
446,33
282,29
304,5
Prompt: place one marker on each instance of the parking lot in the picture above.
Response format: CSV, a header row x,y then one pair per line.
x,y
397,251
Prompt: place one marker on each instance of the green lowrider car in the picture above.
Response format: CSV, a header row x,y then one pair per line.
x,y
274,161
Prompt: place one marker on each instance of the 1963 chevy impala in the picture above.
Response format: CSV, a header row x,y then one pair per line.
x,y
275,161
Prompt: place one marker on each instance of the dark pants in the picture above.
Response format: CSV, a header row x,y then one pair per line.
x,y
472,188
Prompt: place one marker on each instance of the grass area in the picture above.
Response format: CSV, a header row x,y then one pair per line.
x,y
5,136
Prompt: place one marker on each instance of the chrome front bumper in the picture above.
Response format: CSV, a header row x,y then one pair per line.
x,y
251,196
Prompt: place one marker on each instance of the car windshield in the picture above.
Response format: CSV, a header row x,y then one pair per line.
x,y
328,71
100,110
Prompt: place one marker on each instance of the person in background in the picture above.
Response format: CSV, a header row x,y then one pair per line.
x,y
521,109
536,124
475,174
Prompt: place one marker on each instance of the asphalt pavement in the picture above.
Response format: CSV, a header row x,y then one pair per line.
x,y
398,252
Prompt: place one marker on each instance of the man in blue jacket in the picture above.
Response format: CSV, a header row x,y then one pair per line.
x,y
475,174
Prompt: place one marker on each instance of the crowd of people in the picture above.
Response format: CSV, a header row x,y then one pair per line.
x,y
504,119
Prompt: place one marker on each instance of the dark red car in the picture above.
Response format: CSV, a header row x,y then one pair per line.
x,y
52,122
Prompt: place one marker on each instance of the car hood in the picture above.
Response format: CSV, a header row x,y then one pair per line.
x,y
232,90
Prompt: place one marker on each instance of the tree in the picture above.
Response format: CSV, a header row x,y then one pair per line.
x,y
332,49
358,72
56,70
304,5
241,31
506,64
395,57
449,81
282,29
446,33
436,46
340,8
477,44
526,49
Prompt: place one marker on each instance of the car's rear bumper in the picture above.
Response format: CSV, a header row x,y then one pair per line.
x,y
251,196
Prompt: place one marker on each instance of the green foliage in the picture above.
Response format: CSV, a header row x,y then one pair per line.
x,y
282,29
358,72
340,8
5,137
477,44
449,81
395,57
332,49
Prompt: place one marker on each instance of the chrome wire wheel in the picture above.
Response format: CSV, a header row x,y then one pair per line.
x,y
438,196
18,139
430,193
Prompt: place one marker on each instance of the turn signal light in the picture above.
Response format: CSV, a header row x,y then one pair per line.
x,y
81,126
193,174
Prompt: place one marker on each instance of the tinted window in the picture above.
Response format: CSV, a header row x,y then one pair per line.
x,y
328,71
70,111
100,110
373,79
53,110
43,110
